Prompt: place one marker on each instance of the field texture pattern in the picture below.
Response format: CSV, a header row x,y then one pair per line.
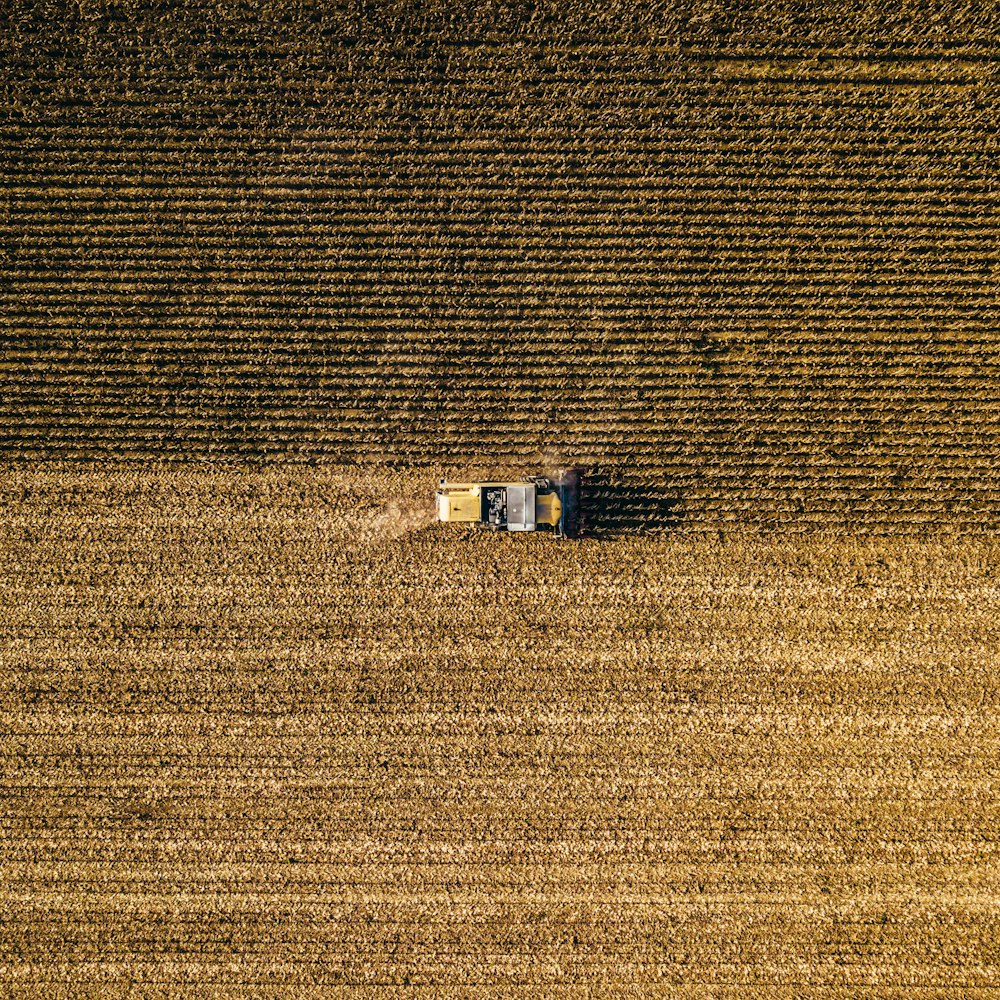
x,y
747,252
245,744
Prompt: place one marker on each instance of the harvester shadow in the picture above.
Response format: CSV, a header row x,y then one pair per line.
x,y
609,506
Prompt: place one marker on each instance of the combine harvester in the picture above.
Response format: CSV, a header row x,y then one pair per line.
x,y
539,503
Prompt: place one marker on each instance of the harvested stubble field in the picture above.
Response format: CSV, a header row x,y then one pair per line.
x,y
246,742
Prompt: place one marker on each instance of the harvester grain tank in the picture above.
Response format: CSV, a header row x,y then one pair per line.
x,y
538,503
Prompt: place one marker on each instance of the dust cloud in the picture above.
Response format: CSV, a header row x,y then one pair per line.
x,y
396,520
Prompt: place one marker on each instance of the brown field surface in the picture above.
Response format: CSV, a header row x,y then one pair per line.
x,y
274,731
268,268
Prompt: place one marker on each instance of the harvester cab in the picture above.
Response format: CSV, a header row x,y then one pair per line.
x,y
538,503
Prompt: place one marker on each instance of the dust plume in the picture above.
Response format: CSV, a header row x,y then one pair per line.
x,y
396,519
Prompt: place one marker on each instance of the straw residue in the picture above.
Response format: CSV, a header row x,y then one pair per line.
x,y
240,749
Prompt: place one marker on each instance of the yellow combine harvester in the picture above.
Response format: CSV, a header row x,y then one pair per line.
x,y
538,503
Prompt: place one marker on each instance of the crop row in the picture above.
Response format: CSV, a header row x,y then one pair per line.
x,y
420,95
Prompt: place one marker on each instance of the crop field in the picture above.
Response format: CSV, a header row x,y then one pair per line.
x,y
746,254
274,727
268,269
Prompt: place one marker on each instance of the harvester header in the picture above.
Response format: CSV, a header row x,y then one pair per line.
x,y
538,503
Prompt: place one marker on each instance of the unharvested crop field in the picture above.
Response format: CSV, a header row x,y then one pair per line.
x,y
247,743
747,253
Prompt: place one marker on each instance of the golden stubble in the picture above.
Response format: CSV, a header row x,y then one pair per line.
x,y
273,722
